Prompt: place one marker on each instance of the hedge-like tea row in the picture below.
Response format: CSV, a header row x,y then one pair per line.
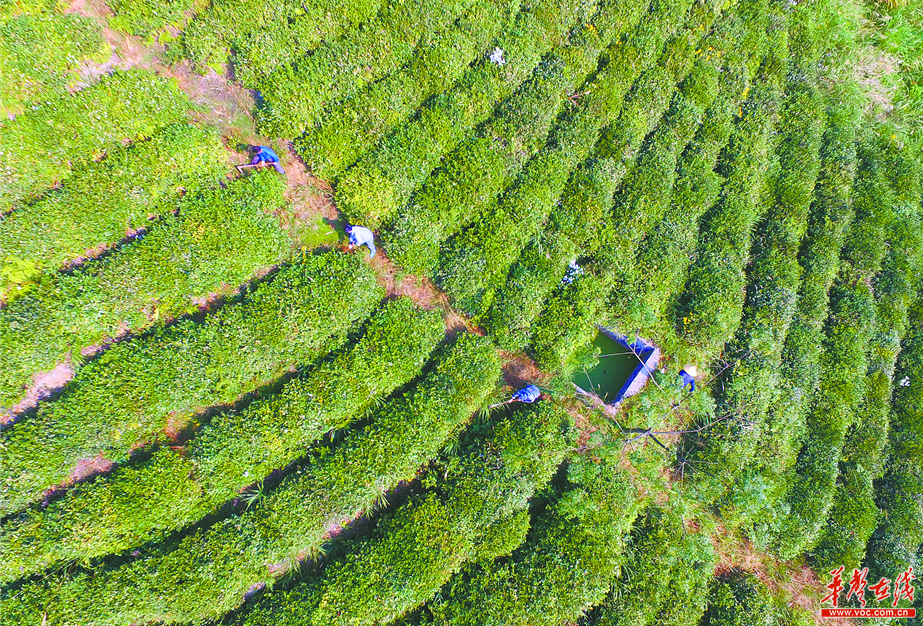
x,y
464,515
714,298
349,130
144,17
39,53
41,145
854,514
844,363
144,502
295,94
218,238
102,202
799,368
773,279
738,598
571,313
267,34
664,581
138,388
570,556
381,181
895,542
469,179
477,260
211,570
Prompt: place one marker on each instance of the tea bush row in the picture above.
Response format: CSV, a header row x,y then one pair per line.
x,y
739,599
586,204
209,572
799,366
460,517
665,576
145,17
570,314
381,181
570,556
894,544
138,388
844,363
854,513
469,178
262,36
102,202
144,502
773,279
42,145
348,131
216,241
713,302
40,53
476,260
294,95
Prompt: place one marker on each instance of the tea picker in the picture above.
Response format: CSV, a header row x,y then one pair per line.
x,y
688,374
361,236
527,394
263,156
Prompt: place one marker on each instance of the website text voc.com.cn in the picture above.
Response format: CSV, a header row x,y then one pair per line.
x,y
857,612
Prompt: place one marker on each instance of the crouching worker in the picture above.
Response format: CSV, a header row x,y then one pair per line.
x,y
263,156
361,236
527,394
687,375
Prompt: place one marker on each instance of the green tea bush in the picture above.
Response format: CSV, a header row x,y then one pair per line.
x,y
138,388
102,202
469,178
774,276
895,542
219,238
844,364
40,53
854,514
143,502
294,95
145,17
570,556
412,554
349,130
209,572
43,144
739,599
265,35
715,290
381,182
477,260
799,367
666,574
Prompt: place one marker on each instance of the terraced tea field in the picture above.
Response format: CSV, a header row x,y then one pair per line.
x,y
218,411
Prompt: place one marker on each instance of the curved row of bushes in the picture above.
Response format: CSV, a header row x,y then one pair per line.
x,y
210,571
42,145
349,130
471,176
137,389
381,181
216,241
294,95
102,202
477,260
175,487
471,511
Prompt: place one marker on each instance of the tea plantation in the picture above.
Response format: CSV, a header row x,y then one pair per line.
x,y
218,411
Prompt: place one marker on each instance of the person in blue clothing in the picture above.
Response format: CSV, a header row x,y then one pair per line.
x,y
361,236
688,374
262,156
527,394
